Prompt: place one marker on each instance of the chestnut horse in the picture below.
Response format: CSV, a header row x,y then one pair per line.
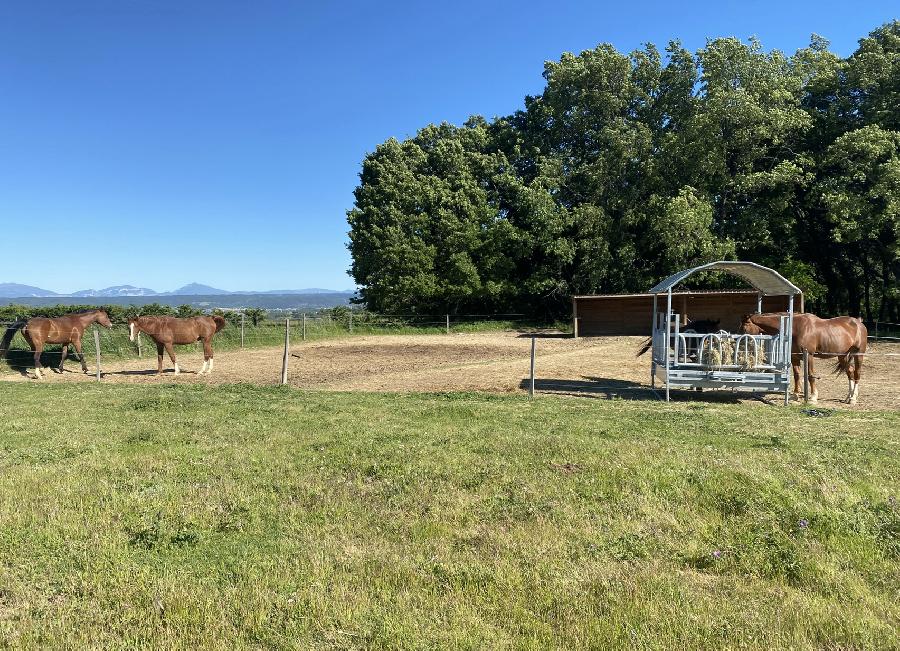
x,y
844,337
167,331
63,330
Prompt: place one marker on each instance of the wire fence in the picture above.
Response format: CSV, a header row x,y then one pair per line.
x,y
883,331
243,331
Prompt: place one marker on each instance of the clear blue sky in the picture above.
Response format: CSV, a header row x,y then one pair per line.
x,y
156,142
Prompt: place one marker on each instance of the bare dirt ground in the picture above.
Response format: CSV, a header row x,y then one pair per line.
x,y
601,367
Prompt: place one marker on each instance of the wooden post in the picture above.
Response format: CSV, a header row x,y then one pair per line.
x,y
575,317
351,320
140,353
242,329
805,376
304,326
97,350
287,354
448,324
531,384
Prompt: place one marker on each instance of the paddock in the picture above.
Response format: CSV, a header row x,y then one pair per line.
x,y
497,362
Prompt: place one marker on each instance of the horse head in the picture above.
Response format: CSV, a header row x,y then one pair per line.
x,y
103,319
748,327
132,327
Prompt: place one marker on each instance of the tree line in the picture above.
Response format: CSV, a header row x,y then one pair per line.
x,y
629,167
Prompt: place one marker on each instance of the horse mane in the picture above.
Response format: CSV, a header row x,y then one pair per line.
x,y
220,322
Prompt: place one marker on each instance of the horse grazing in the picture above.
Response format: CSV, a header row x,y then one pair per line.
x,y
167,331
64,330
700,326
844,337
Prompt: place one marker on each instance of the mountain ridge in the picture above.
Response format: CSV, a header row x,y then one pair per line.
x,y
17,290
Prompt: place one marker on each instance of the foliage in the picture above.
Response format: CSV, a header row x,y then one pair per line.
x,y
628,167
190,516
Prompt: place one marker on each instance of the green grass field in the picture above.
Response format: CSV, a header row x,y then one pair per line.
x,y
246,517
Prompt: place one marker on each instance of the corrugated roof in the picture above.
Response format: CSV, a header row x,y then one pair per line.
x,y
684,292
767,281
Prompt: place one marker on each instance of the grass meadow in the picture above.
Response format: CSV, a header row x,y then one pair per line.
x,y
195,517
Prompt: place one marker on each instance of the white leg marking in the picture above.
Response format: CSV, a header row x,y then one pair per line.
x,y
203,368
37,373
210,365
177,370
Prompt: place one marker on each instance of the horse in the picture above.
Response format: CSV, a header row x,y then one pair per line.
x,y
168,330
700,326
845,337
63,330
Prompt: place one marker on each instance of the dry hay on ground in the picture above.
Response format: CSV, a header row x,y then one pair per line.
x,y
495,362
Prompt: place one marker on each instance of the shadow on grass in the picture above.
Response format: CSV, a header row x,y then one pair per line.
x,y
610,388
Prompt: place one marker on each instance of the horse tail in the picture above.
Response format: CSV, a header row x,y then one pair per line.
x,y
220,322
645,346
8,335
860,343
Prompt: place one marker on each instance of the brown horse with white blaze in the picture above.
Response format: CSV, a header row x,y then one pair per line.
x,y
844,337
65,330
167,331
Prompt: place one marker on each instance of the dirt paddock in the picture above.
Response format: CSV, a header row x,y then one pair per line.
x,y
602,367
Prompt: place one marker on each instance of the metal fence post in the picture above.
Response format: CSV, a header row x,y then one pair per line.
x,y
140,352
287,344
304,326
242,329
351,320
531,384
448,324
575,326
97,350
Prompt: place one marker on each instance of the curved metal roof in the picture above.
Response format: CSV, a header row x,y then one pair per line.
x,y
767,281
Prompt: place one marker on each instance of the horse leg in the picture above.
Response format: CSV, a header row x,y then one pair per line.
x,y
62,356
857,369
207,357
38,350
159,358
78,350
171,350
813,389
795,367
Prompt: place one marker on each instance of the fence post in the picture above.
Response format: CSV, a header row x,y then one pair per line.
x,y
287,344
140,353
304,326
351,320
805,376
97,350
575,326
242,329
876,331
448,324
531,384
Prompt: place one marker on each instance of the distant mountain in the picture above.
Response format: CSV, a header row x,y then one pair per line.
x,y
15,290
308,290
196,289
117,290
